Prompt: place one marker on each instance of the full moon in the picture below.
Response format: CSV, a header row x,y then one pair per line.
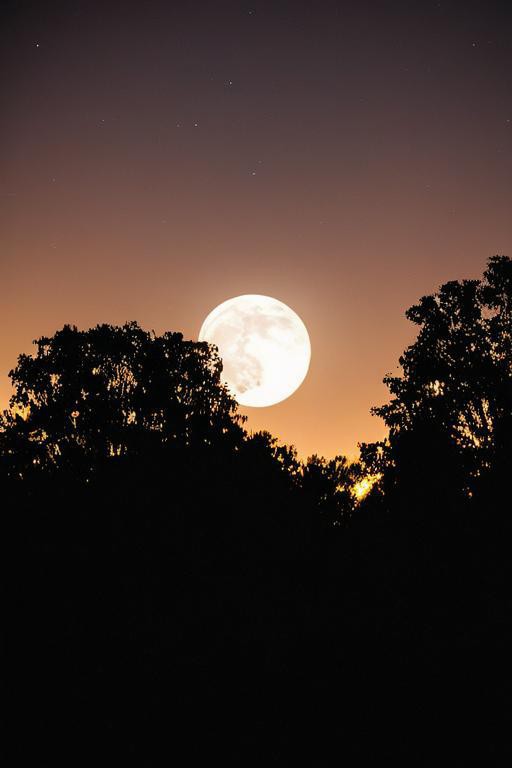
x,y
264,346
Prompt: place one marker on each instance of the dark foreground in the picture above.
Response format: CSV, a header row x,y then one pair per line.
x,y
374,643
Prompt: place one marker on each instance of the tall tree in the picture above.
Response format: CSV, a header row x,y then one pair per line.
x,y
450,410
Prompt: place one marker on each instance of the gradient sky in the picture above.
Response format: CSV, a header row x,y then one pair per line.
x,y
158,158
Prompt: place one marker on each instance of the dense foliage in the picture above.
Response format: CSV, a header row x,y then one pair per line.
x,y
455,391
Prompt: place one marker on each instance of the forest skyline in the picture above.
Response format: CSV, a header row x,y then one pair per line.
x,y
451,371
182,588
262,423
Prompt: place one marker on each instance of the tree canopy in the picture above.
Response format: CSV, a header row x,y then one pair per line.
x,y
450,409
112,391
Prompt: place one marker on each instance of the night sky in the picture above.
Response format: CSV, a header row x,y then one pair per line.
x,y
158,158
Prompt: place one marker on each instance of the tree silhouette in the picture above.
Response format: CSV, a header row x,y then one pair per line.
x,y
328,487
449,415
90,396
136,432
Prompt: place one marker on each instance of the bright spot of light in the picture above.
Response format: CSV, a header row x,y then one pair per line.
x,y
363,487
